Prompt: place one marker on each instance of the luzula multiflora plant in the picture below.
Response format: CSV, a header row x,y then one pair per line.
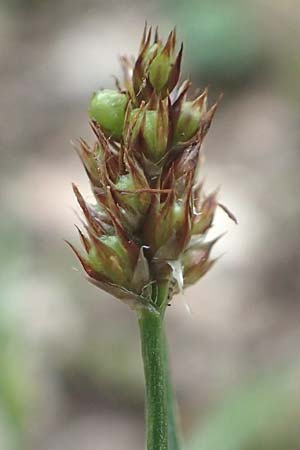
x,y
144,237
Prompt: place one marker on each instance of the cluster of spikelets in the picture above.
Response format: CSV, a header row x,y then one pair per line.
x,y
150,217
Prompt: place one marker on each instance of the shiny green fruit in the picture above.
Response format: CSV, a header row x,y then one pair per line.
x,y
108,108
156,142
188,122
137,202
112,261
159,71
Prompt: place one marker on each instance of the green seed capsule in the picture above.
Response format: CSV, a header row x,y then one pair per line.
x,y
178,215
115,243
188,122
108,107
159,71
96,262
154,131
150,130
150,55
112,262
139,203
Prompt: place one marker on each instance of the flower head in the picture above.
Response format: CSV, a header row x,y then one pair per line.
x,y
150,212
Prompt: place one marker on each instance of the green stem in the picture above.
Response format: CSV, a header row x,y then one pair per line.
x,y
163,431
152,341
174,432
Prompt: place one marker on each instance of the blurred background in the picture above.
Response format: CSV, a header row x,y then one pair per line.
x,y
70,368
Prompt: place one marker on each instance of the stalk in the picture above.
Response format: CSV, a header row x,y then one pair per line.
x,y
162,422
152,343
174,431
